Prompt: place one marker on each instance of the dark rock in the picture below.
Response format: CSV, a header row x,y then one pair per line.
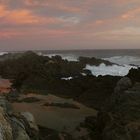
x,y
5,105
96,91
125,113
49,134
87,72
123,84
103,118
120,120
115,131
127,103
62,105
134,75
93,61
29,100
12,96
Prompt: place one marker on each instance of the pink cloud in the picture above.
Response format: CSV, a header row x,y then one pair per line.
x,y
9,34
131,14
69,21
61,5
24,16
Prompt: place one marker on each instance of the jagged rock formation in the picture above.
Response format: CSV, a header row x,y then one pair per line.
x,y
123,84
5,127
120,120
14,126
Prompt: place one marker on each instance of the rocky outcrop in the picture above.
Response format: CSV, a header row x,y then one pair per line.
x,y
123,84
93,61
96,91
127,103
120,120
124,112
16,126
134,74
49,134
5,127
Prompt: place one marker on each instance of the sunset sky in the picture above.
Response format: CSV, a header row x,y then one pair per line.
x,y
69,24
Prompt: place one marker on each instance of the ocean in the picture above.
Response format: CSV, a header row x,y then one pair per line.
x,y
126,58
129,56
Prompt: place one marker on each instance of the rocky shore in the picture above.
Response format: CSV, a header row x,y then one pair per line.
x,y
16,126
109,105
119,119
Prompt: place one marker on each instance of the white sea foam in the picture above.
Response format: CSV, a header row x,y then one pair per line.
x,y
114,70
49,55
125,64
65,57
124,59
2,53
67,78
69,58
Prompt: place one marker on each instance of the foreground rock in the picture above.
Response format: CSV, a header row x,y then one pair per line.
x,y
5,127
120,120
16,126
96,91
127,103
134,75
49,134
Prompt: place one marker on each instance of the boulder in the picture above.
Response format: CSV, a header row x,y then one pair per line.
x,y
30,125
121,119
30,119
5,127
125,113
5,105
128,103
123,84
16,126
19,130
49,134
117,131
134,74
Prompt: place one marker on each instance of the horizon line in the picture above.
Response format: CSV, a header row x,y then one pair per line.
x,y
68,49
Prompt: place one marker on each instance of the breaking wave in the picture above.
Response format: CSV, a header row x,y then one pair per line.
x,y
125,63
68,57
135,60
3,53
114,70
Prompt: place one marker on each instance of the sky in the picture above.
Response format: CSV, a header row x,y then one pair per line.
x,y
69,24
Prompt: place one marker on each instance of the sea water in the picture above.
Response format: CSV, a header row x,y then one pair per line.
x,y
126,59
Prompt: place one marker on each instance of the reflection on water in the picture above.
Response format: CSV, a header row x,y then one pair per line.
x,y
54,117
